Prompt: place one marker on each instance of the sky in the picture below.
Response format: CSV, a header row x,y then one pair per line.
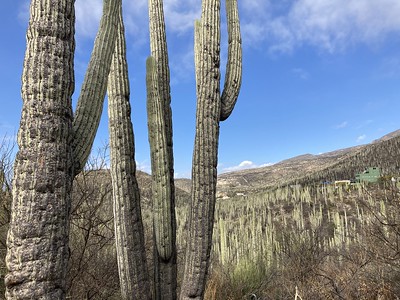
x,y
318,75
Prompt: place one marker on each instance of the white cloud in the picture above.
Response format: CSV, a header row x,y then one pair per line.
x,y
23,13
330,25
342,125
301,73
180,15
87,14
246,164
361,138
365,123
143,166
182,175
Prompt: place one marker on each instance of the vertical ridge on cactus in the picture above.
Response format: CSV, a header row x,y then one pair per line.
x,y
211,109
37,242
94,86
233,77
162,162
48,158
129,232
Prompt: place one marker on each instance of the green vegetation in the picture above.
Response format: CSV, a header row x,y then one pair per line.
x,y
330,243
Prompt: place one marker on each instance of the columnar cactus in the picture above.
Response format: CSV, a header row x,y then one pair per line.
x,y
211,109
160,138
94,86
129,233
44,167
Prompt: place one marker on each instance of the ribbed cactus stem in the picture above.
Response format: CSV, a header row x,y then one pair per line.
x,y
129,234
161,189
94,86
160,138
158,48
197,51
204,168
233,76
37,243
164,223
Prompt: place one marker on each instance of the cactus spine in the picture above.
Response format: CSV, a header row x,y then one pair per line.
x,y
129,233
210,111
37,244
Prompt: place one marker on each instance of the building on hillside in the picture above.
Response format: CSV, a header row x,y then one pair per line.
x,y
342,183
372,174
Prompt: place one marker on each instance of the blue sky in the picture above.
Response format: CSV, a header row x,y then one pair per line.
x,y
318,75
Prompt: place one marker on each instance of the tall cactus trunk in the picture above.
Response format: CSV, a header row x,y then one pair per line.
x,y
164,223
211,109
204,167
37,254
129,233
37,245
160,138
94,87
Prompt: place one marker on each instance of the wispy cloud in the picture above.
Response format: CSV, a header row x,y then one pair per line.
x,y
143,166
180,15
182,65
361,138
246,164
23,13
341,125
88,14
330,25
301,73
364,124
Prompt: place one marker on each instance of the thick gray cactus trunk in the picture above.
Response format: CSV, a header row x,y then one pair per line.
x,y
129,233
211,109
38,236
37,243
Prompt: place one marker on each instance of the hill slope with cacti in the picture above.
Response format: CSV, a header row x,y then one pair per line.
x,y
310,169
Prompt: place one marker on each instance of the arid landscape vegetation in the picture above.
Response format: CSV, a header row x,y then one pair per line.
x,y
79,225
278,230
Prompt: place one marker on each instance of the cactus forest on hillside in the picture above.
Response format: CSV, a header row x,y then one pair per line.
x,y
54,145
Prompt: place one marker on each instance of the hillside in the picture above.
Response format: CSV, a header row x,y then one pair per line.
x,y
303,169
308,168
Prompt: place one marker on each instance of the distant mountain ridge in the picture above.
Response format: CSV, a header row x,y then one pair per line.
x,y
308,168
303,169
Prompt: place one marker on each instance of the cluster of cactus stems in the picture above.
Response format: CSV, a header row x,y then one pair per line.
x,y
53,145
211,109
250,229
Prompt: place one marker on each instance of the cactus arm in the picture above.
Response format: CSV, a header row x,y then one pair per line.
x,y
160,138
233,78
158,48
129,234
163,205
204,167
94,86
161,189
37,242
